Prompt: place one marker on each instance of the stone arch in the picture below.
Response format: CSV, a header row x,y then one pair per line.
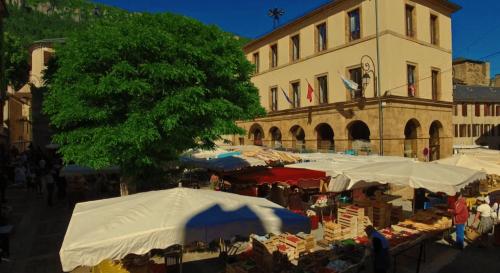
x,y
435,134
358,134
256,134
276,137
298,136
324,137
412,131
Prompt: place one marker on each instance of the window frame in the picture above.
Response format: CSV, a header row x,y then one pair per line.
x,y
295,99
317,45
350,37
477,109
272,63
273,101
294,58
256,61
358,94
411,33
322,96
434,29
415,79
464,109
436,93
487,109
497,110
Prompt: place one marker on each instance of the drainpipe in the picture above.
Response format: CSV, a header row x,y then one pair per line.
x,y
380,110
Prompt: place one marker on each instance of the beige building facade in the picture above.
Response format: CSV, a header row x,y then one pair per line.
x,y
339,40
476,116
471,72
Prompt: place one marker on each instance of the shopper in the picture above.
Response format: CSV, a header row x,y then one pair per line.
x,y
483,217
380,250
460,216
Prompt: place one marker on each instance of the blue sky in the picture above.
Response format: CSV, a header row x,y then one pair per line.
x,y
476,28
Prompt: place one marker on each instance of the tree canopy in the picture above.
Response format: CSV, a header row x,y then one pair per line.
x,y
138,90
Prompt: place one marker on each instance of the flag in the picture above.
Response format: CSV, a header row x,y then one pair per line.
x,y
310,92
411,90
350,85
286,96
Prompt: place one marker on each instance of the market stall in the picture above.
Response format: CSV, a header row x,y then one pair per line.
x,y
112,228
434,177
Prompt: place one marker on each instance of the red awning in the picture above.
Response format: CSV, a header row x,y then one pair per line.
x,y
292,176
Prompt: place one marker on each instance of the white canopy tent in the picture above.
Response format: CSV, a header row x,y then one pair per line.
x,y
471,162
434,177
113,228
335,165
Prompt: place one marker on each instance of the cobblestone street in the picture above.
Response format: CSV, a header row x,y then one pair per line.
x,y
38,233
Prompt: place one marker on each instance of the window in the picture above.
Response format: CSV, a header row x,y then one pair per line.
x,y
475,130
295,44
469,133
463,130
435,85
412,80
487,130
47,55
274,55
434,30
256,61
241,140
497,110
456,130
354,25
464,109
477,110
455,110
355,75
296,94
274,99
488,109
410,23
323,89
321,38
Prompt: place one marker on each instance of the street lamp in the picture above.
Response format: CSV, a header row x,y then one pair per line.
x,y
368,67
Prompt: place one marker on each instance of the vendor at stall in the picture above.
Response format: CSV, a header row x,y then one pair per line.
x,y
483,217
380,249
460,215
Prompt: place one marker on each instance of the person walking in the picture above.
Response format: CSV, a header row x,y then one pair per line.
x,y
483,217
380,250
460,217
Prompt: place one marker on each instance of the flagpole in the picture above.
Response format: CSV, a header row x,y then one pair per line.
x,y
380,110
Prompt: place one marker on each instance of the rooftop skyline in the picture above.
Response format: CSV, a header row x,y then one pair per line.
x,y
476,29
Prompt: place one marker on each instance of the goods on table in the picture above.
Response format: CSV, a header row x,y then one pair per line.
x,y
353,218
378,211
396,214
428,221
395,236
492,183
334,232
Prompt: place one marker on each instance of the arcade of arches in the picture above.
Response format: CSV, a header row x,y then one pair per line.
x,y
426,136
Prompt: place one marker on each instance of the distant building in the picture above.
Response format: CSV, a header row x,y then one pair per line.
x,y
471,72
339,38
476,116
496,81
25,120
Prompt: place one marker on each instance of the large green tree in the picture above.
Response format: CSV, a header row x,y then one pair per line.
x,y
138,90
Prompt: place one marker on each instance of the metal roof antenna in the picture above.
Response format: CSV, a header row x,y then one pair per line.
x,y
276,13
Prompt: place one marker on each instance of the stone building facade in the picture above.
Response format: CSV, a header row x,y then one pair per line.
x,y
339,40
471,72
476,116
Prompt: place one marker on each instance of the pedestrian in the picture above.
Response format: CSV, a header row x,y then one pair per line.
x,y
483,217
460,216
380,250
50,184
20,175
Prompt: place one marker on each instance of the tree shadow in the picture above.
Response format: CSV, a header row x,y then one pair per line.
x,y
216,223
490,138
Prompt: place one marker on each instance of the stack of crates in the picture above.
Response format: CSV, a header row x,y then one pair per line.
x,y
352,217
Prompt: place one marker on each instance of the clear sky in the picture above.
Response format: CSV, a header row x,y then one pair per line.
x,y
476,28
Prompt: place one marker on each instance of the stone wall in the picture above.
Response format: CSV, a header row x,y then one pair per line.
x,y
344,117
472,73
